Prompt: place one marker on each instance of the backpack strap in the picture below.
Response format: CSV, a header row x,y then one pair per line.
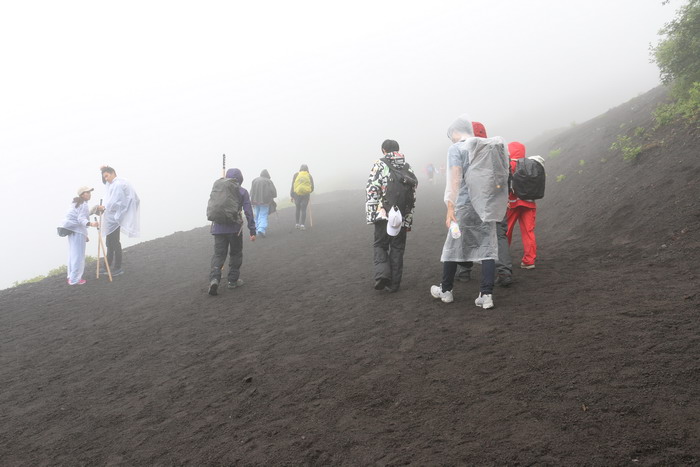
x,y
403,172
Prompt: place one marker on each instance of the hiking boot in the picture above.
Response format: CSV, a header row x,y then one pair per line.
x,y
235,284
527,266
382,283
80,282
117,272
504,280
436,292
485,301
214,287
261,234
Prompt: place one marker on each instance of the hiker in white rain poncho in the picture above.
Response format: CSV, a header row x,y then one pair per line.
x,y
476,194
122,213
74,227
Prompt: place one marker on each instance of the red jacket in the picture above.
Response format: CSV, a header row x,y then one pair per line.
x,y
517,151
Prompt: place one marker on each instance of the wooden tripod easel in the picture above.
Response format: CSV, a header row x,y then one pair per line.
x,y
101,248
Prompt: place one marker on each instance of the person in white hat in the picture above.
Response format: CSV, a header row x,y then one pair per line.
x,y
391,199
74,227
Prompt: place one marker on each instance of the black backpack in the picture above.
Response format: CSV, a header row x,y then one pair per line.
x,y
528,179
225,202
400,188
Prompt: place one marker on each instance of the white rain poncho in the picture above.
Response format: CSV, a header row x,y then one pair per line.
x,y
478,240
122,209
77,218
76,221
457,163
487,177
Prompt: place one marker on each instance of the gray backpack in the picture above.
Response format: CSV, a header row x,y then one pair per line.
x,y
225,202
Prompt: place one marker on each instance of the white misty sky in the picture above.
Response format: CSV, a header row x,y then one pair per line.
x,y
160,89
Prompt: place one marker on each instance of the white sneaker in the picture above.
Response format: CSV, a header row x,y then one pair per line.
x,y
436,292
302,227
296,226
484,301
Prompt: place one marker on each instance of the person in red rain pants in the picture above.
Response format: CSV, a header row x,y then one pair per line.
x,y
522,211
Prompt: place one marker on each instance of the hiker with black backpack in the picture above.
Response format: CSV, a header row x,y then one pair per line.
x,y
527,185
391,199
476,194
227,201
300,193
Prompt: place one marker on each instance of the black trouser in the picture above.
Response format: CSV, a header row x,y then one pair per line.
x,y
388,254
223,244
302,202
114,250
488,274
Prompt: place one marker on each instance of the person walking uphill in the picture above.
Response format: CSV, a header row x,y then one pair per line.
x,y
226,202
122,213
504,265
391,199
475,194
75,227
522,211
302,187
262,196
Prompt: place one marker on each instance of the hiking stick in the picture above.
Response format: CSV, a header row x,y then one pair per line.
x,y
109,271
224,166
311,217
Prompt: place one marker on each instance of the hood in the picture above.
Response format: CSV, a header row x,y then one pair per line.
x,y
396,159
516,150
479,129
265,173
461,127
235,173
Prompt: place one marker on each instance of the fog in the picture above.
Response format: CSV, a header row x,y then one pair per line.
x,y
160,90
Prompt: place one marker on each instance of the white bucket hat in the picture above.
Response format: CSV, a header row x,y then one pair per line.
x,y
393,227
